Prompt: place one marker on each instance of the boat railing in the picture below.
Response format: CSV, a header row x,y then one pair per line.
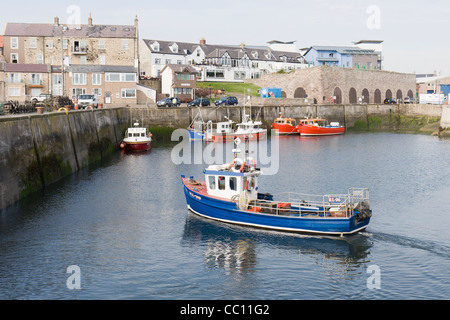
x,y
332,205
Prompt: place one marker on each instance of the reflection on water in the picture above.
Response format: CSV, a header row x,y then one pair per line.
x,y
235,248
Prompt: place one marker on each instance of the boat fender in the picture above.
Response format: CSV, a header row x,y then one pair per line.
x,y
242,164
122,145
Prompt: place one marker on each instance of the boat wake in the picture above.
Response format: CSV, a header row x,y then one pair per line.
x,y
410,242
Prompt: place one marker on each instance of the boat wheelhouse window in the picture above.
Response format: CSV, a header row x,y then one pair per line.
x,y
142,134
221,183
130,135
212,182
233,183
136,134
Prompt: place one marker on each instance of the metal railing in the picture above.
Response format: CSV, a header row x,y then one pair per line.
x,y
305,205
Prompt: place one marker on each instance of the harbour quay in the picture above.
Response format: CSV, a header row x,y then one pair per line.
x,y
38,150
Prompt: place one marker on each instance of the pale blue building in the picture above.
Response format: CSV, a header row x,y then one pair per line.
x,y
345,57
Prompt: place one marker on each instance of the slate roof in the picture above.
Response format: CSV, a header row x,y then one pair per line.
x,y
21,67
217,51
180,68
50,30
84,68
343,50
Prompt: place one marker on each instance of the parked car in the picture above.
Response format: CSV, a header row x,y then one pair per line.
x,y
41,97
227,101
409,100
390,101
87,100
198,102
168,102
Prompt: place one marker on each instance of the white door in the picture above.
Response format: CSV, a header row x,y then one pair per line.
x,y
108,97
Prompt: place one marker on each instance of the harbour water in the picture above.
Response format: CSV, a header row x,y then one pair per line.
x,y
125,226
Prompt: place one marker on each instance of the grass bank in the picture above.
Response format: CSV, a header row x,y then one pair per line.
x,y
231,87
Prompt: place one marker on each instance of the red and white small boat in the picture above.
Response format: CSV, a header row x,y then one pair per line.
x,y
137,139
319,127
284,126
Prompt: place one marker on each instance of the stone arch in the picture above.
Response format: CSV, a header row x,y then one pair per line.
x,y
399,94
300,93
388,94
338,94
365,96
410,94
352,95
377,96
283,94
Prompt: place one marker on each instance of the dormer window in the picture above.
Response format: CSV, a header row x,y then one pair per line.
x,y
155,46
174,48
255,54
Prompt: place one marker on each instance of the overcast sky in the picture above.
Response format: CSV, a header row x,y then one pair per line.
x,y
416,33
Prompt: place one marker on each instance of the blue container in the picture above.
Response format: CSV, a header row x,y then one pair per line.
x,y
270,92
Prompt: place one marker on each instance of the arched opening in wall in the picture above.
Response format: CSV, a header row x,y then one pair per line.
x,y
352,95
283,94
337,95
365,96
399,94
410,94
377,96
388,94
300,93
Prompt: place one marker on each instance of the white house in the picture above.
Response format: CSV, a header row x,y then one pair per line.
x,y
217,62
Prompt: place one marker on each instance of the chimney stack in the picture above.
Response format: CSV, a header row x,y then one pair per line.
x,y
136,21
56,21
202,41
90,20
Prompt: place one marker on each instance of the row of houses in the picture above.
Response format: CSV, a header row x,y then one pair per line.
x,y
111,62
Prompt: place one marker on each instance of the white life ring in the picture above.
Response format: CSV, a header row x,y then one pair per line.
x,y
240,162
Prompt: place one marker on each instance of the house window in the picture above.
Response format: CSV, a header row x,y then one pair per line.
x,y
65,44
167,61
102,60
101,44
14,43
96,79
128,93
50,44
14,58
35,78
14,92
124,44
97,92
112,77
179,62
78,91
39,59
79,79
83,60
33,44
14,78
157,61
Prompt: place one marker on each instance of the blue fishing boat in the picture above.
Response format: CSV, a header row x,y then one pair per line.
x,y
230,194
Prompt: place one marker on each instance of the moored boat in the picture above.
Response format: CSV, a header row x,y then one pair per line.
x,y
137,138
284,126
319,127
230,194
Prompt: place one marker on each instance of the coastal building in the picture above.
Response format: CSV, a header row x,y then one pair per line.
x,y
63,49
178,80
216,62
345,57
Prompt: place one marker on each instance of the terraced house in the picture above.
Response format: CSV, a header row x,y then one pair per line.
x,y
78,59
217,62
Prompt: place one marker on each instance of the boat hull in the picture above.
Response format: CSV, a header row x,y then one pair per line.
x,y
137,146
195,135
308,130
261,135
226,211
284,129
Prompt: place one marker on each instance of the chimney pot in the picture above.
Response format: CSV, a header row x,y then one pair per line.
x,y
56,21
202,41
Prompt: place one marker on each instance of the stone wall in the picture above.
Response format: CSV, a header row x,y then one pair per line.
x,y
38,150
323,82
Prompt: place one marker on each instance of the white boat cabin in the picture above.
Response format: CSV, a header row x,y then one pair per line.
x,y
232,180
